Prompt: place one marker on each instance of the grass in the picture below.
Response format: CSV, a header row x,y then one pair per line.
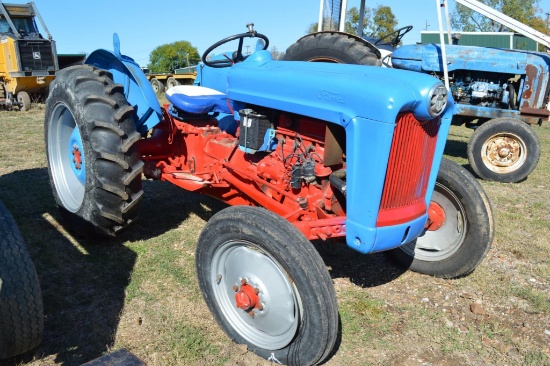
x,y
140,290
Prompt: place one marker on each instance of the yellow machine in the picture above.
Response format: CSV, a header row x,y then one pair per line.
x,y
28,61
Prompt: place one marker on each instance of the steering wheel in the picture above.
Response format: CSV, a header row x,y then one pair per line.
x,y
395,36
237,55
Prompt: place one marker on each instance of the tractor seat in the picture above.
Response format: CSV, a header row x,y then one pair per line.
x,y
197,99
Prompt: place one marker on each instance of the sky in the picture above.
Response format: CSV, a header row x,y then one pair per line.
x,y
83,26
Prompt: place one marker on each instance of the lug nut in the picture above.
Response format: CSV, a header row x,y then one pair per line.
x,y
256,290
244,281
260,307
251,313
235,288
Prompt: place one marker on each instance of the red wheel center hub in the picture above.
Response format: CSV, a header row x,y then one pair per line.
x,y
77,157
246,298
436,217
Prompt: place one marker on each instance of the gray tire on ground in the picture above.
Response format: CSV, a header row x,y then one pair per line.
x,y
171,82
25,100
158,87
241,246
332,47
21,310
460,244
93,164
504,150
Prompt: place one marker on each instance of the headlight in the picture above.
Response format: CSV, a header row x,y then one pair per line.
x,y
437,100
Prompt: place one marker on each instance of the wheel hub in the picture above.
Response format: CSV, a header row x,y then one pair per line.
x,y
77,157
247,280
503,151
246,297
436,217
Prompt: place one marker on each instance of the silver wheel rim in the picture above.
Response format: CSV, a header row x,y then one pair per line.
x,y
438,245
63,137
504,153
276,324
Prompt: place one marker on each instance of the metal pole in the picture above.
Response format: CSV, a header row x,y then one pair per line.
x,y
343,7
37,13
442,42
446,5
7,16
320,22
361,19
506,21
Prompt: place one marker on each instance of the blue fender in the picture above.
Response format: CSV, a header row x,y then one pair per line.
x,y
137,89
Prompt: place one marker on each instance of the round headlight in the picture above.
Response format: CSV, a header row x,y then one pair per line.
x,y
437,100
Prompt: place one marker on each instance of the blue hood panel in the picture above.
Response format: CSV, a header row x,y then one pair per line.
x,y
427,58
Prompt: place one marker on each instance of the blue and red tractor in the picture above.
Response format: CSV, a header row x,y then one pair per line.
x,y
300,151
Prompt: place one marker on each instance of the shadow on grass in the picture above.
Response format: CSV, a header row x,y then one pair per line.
x,y
456,149
83,280
363,270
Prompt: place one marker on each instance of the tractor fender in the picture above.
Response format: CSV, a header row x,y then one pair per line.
x,y
137,89
372,47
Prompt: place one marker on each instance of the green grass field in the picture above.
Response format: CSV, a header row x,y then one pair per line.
x,y
140,291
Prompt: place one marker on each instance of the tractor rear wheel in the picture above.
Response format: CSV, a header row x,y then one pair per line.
x,y
332,47
267,286
460,227
504,150
94,167
21,310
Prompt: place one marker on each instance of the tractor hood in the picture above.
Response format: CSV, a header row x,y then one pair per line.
x,y
427,58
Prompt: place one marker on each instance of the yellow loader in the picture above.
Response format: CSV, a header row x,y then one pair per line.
x,y
28,61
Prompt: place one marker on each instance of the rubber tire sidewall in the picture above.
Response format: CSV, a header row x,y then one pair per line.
x,y
156,83
102,211
171,82
504,125
21,308
479,233
318,330
25,100
340,48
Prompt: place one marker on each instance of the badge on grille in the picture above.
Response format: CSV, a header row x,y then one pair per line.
x,y
36,55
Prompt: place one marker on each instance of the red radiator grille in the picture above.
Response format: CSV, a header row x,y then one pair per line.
x,y
409,166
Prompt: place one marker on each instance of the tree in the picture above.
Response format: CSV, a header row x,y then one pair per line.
x,y
277,55
172,56
384,22
377,22
525,11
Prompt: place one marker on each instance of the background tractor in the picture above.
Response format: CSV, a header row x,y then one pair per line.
x,y
498,92
295,157
28,61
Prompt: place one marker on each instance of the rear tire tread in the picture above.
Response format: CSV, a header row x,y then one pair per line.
x,y
113,166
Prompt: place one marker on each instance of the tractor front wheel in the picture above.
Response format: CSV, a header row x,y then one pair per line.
x,y
460,227
94,167
267,286
504,150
